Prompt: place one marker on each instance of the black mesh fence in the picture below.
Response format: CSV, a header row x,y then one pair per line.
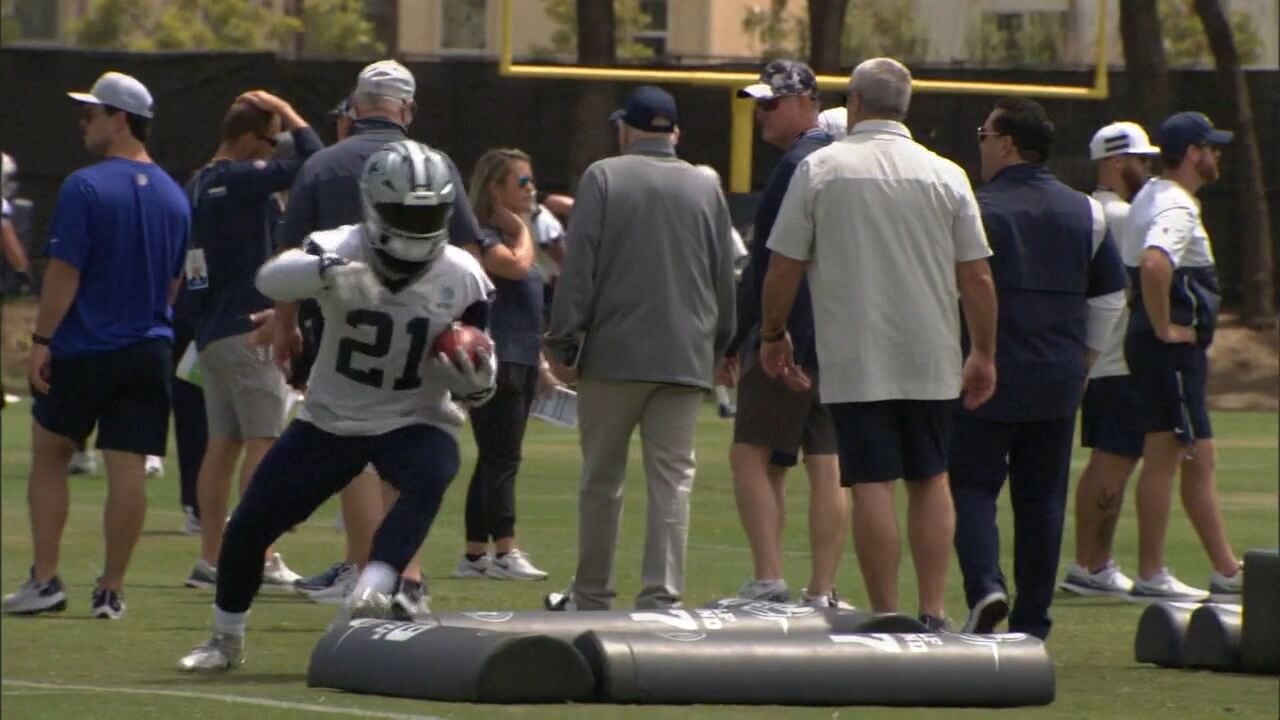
x,y
465,107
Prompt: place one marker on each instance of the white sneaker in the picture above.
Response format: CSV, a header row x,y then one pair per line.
x,y
276,575
831,600
1107,581
767,590
470,569
83,462
155,466
1164,586
369,604
223,651
191,525
339,590
514,565
1220,584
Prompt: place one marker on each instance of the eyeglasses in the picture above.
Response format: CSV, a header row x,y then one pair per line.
x,y
524,181
768,105
985,133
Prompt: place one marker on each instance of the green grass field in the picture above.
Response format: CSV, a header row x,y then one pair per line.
x,y
69,667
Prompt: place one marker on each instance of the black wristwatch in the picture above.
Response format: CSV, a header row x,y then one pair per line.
x,y
773,338
38,339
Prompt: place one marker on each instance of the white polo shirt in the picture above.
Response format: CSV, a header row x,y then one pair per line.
x,y
883,222
1110,362
1165,216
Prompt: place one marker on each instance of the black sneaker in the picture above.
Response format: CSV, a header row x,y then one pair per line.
x,y
934,624
559,602
410,602
34,598
107,604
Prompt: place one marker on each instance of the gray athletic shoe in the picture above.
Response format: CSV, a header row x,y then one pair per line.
x,y
1107,581
1223,585
203,576
987,614
34,598
767,590
219,653
411,602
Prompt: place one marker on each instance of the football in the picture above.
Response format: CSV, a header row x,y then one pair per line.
x,y
458,336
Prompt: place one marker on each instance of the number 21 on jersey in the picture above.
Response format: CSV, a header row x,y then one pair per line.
x,y
410,378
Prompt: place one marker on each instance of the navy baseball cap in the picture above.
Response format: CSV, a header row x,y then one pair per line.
x,y
649,108
781,78
1185,129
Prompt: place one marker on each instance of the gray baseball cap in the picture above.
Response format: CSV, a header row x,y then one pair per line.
x,y
120,91
781,78
387,78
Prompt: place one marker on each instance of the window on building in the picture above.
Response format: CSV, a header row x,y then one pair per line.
x,y
462,24
654,35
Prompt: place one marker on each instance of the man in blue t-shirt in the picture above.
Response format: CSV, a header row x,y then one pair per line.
x,y
101,350
774,422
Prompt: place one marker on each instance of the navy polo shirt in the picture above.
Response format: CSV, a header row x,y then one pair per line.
x,y
124,225
515,318
1045,268
800,322
326,193
234,216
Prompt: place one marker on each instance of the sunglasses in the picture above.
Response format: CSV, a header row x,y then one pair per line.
x,y
768,105
524,181
985,133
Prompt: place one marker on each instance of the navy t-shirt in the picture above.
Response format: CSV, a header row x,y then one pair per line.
x,y
800,323
515,319
124,225
234,216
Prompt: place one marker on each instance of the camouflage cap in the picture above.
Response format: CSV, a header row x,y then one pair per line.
x,y
781,78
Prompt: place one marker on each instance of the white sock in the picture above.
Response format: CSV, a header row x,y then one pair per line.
x,y
377,576
229,622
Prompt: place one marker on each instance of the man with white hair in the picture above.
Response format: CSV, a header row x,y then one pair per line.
x,y
325,195
1110,420
890,235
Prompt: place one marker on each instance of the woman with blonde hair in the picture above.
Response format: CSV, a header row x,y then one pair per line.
x,y
503,196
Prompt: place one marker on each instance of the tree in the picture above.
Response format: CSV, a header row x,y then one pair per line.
x,y
1258,308
597,46
826,25
1146,71
1186,40
1017,39
775,32
882,28
629,19
330,27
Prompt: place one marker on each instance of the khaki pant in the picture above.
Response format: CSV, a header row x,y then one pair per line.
x,y
608,412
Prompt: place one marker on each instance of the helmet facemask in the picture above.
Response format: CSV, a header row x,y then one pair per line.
x,y
407,191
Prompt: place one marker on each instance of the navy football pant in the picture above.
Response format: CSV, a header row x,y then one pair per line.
x,y
1036,458
189,427
306,467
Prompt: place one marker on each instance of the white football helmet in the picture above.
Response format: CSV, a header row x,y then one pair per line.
x,y
407,192
8,176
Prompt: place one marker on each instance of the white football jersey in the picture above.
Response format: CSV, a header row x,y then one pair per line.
x,y
370,373
1110,361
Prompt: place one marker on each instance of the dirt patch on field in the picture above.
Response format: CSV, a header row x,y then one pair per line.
x,y
1245,364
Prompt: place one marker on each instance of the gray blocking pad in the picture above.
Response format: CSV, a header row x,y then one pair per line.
x,y
915,669
724,617
429,662
1260,634
1162,631
703,655
1213,639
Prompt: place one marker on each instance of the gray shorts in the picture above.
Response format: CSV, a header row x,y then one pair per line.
x,y
244,392
774,416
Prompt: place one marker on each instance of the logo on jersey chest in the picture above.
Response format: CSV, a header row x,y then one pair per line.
x,y
444,298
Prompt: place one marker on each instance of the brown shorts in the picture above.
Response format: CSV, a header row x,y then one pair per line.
x,y
772,415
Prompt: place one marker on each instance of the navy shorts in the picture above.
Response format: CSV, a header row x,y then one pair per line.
x,y
1170,379
124,392
891,439
1111,417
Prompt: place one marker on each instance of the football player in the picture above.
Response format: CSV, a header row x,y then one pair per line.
x,y
387,288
